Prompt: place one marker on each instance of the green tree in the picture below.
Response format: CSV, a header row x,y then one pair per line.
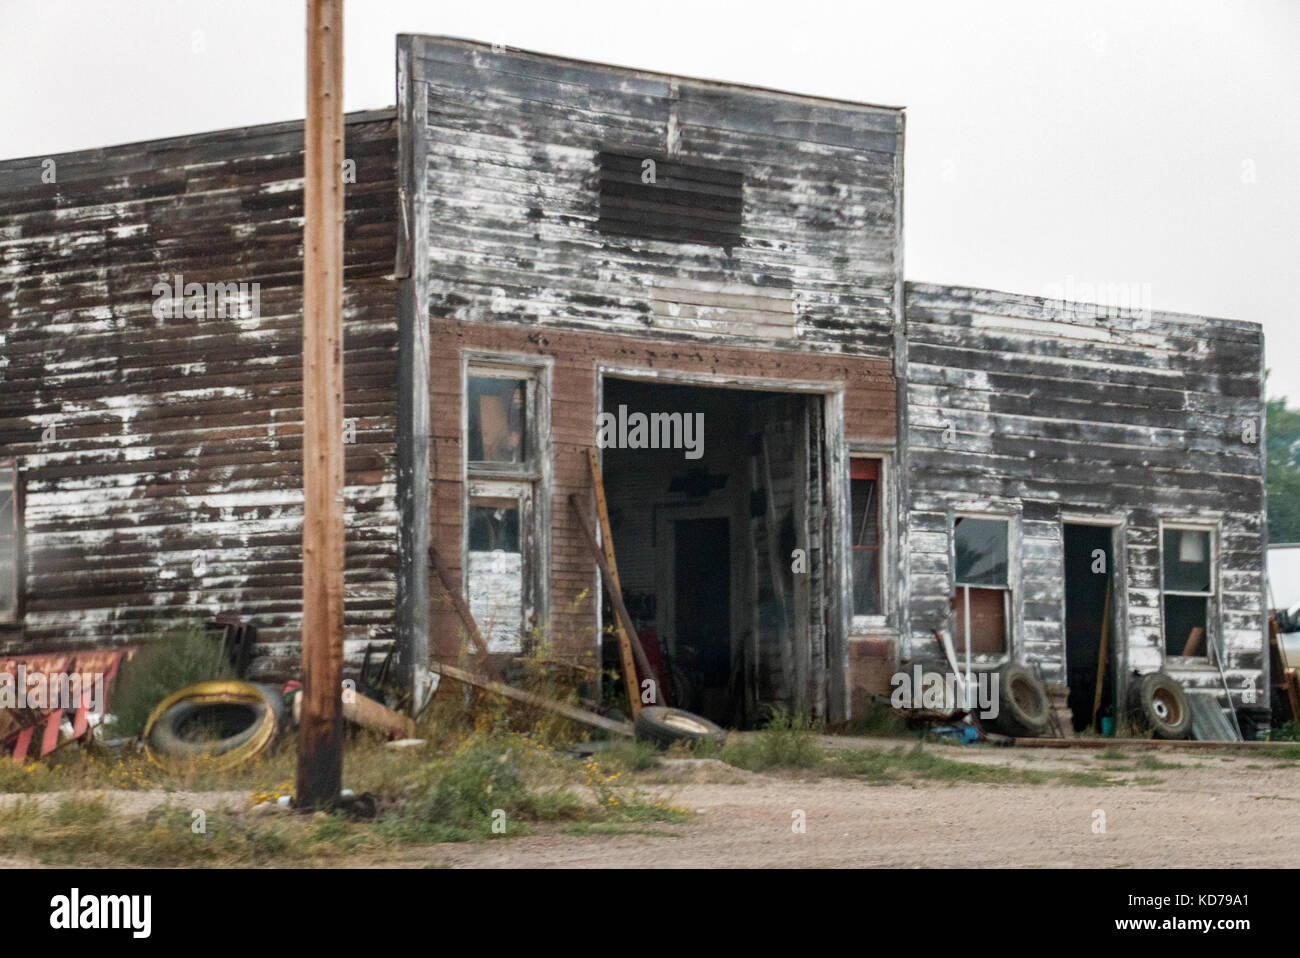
x,y
1282,444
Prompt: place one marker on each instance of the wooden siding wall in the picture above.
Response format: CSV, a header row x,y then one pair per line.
x,y
868,413
176,436
512,160
1050,408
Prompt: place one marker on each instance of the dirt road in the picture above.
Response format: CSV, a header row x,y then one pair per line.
x,y
1210,812
1203,810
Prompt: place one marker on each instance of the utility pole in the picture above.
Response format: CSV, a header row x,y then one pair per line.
x,y
320,733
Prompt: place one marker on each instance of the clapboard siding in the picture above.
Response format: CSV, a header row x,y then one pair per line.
x,y
1031,408
179,436
511,159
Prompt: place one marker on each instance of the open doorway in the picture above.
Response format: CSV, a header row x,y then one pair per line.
x,y
1090,640
704,532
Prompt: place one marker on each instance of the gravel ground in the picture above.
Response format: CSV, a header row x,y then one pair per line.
x,y
1212,811
1216,816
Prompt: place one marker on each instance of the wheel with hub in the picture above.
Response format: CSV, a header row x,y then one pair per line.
x,y
1162,705
665,726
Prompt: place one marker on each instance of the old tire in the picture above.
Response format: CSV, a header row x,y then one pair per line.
x,y
1024,710
246,720
1161,704
665,727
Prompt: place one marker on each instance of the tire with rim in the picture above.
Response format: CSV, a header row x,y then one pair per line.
x,y
245,717
665,726
1162,705
1023,705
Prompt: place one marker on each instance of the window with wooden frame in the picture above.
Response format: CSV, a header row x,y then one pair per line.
x,y
503,472
982,603
865,492
11,543
1187,586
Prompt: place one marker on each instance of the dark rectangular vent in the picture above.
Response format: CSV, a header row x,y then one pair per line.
x,y
683,204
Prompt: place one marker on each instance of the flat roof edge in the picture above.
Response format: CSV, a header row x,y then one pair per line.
x,y
995,296
655,74
184,139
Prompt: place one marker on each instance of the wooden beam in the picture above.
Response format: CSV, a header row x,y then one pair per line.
x,y
452,588
1142,744
1102,661
615,598
529,698
607,545
320,734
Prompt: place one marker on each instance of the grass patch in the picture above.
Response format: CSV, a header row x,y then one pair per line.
x,y
1087,779
86,830
1290,732
613,828
900,763
783,742
1112,755
878,720
630,756
478,791
182,653
487,787
1151,762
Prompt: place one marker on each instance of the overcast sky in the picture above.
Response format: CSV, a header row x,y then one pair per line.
x,y
1049,144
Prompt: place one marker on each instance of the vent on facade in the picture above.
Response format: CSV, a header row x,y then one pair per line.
x,y
679,203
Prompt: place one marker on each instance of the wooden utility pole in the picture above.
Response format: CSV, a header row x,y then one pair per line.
x,y
320,732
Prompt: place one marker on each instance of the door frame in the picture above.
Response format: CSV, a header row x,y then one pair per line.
x,y
838,572
1118,525
666,570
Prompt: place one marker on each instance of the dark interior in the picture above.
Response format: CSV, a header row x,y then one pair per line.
x,y
1087,579
703,546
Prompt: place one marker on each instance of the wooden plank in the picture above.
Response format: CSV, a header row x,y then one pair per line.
x,y
1102,659
452,588
607,544
529,698
1142,744
608,577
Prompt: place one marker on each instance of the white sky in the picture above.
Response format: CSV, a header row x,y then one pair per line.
x,y
1049,142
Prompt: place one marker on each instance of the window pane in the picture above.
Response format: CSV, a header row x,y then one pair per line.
x,y
496,419
981,546
1185,617
493,527
495,572
1187,560
865,508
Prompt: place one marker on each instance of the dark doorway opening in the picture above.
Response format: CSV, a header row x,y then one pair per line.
x,y
702,600
1089,611
705,533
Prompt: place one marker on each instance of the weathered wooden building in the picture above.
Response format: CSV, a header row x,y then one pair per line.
x,y
827,466
155,430
588,239
1069,463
